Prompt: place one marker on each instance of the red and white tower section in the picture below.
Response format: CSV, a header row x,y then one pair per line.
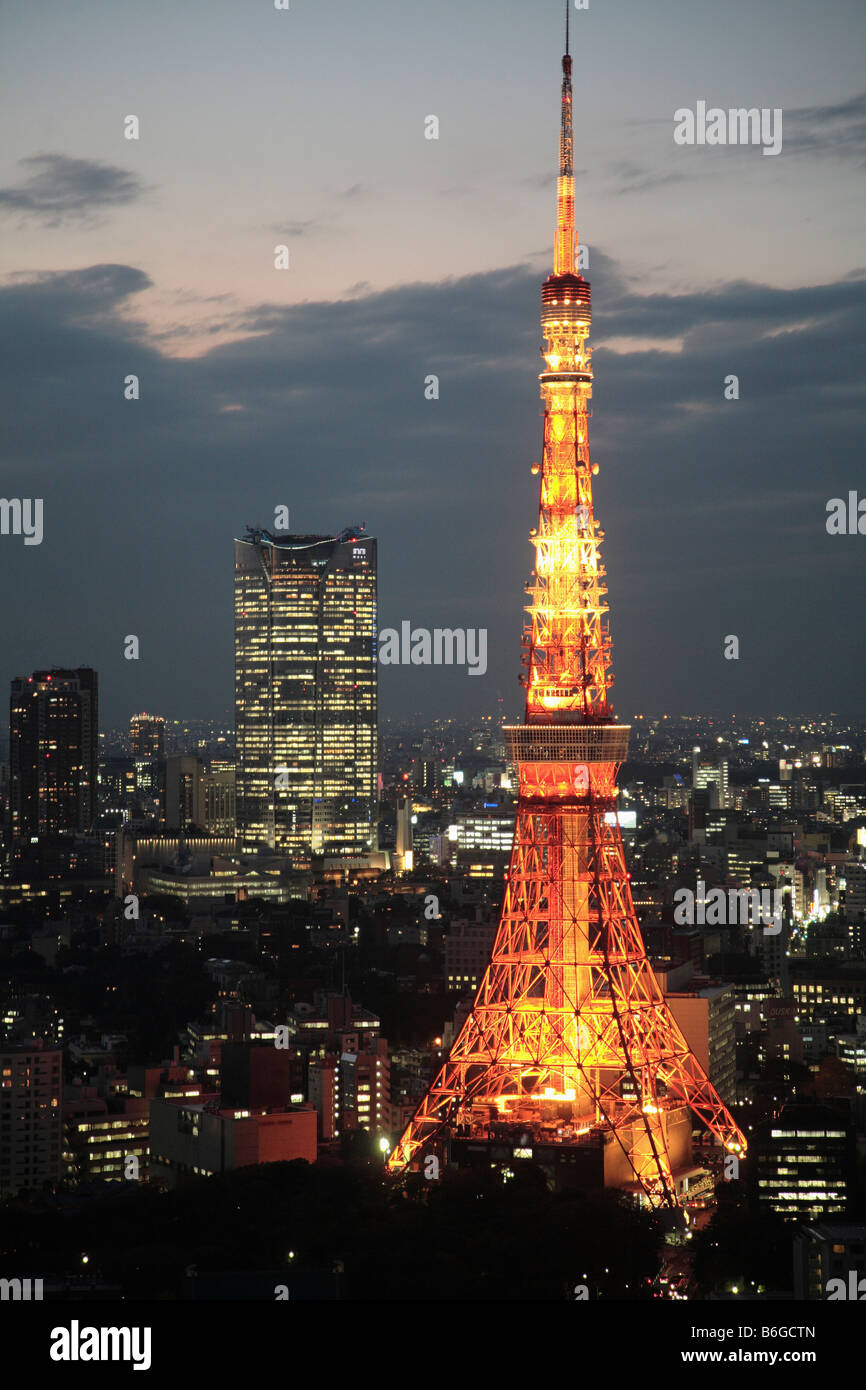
x,y
570,1054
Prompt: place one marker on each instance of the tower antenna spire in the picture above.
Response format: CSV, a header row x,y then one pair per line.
x,y
563,256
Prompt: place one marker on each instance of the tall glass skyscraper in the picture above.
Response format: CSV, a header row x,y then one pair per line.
x,y
306,693
53,749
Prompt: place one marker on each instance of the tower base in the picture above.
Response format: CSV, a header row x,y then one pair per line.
x,y
589,1161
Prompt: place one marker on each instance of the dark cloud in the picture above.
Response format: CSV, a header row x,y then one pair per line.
x,y
548,180
714,510
733,307
838,130
630,178
60,188
51,318
311,226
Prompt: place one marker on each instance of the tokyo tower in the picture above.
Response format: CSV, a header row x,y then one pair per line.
x,y
570,1054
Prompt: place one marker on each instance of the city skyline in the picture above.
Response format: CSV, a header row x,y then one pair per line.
x,y
713,270
475,979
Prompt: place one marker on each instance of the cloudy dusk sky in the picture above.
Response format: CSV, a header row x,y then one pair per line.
x,y
409,256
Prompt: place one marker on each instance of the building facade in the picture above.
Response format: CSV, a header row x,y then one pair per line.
x,y
102,1135
190,1140
827,1251
708,773
803,1162
147,736
219,800
306,693
467,948
53,752
31,1127
185,802
706,1017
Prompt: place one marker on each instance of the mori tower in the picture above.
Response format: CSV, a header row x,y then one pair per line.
x,y
570,1056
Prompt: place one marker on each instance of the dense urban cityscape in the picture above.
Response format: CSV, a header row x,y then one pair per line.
x,y
148,968
353,991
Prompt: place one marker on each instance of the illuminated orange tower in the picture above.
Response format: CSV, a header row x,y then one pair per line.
x,y
570,1045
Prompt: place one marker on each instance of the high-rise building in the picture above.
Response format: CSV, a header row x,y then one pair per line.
x,y
306,693
147,736
570,1056
31,1126
116,785
351,1089
185,802
488,828
53,750
855,898
403,852
711,776
826,1251
102,1134
803,1162
426,775
851,1049
467,948
219,800
705,1015
772,949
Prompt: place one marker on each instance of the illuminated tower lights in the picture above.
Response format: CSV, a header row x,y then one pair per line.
x,y
570,1037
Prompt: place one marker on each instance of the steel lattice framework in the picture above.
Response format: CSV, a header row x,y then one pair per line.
x,y
569,1021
